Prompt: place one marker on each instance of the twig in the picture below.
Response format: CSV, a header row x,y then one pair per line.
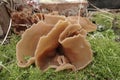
x,y
1,65
103,11
7,32
98,9
107,16
79,13
27,25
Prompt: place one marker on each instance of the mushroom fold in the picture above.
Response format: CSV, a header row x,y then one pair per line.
x,y
27,45
46,50
76,47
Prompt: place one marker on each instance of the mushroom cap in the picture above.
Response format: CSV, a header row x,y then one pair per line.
x,y
76,48
84,22
27,45
46,54
53,19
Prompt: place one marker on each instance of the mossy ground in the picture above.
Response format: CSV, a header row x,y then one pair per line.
x,y
105,64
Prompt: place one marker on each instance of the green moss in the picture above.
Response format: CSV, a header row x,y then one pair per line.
x,y
104,21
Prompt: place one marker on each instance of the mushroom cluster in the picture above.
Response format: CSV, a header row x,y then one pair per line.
x,y
56,42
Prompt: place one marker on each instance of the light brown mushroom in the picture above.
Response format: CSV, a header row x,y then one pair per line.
x,y
84,22
46,54
76,48
56,43
27,45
